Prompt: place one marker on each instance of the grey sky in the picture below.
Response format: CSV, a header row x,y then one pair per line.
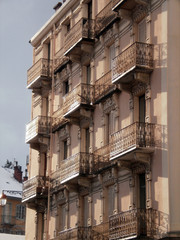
x,y
19,21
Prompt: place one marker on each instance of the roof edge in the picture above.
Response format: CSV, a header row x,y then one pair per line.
x,y
49,24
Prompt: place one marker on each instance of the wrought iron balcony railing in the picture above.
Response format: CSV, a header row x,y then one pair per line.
x,y
134,223
58,119
102,158
127,224
39,126
33,188
60,60
80,233
136,135
41,70
76,165
82,94
75,233
56,181
103,86
103,151
139,56
102,229
105,18
126,4
82,30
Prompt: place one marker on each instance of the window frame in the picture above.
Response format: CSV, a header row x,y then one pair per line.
x,y
20,212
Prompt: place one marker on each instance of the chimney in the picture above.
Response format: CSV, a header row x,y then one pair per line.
x,y
17,172
57,6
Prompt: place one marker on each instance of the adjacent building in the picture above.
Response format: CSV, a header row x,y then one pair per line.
x,y
104,135
12,211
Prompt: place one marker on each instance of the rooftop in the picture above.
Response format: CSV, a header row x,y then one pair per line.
x,y
8,184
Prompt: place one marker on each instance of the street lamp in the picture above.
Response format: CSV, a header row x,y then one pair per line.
x,y
3,199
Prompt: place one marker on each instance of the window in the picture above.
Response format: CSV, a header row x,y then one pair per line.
x,y
65,87
111,56
90,10
20,212
86,211
68,27
65,149
142,31
7,212
107,128
142,108
87,140
63,218
49,51
88,76
111,200
142,191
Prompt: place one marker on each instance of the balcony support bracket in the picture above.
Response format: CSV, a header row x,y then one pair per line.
x,y
141,2
141,77
125,14
72,187
75,58
44,140
84,182
142,157
85,113
86,48
124,164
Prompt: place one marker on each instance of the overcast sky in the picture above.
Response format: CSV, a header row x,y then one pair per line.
x,y
19,21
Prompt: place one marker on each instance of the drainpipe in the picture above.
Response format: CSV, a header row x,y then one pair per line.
x,y
51,136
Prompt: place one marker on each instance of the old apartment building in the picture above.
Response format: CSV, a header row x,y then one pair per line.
x,y
104,132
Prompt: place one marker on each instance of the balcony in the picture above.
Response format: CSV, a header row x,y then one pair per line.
x,y
80,233
40,74
60,60
102,230
135,138
136,223
126,225
34,188
58,120
37,129
105,18
77,102
56,181
80,164
80,36
102,159
126,4
104,87
134,63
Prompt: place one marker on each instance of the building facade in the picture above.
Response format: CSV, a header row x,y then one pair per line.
x,y
12,211
104,134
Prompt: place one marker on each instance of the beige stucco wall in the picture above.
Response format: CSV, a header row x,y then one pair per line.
x,y
173,87
159,107
30,224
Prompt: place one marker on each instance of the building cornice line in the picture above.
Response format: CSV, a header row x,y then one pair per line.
x,y
156,4
49,24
